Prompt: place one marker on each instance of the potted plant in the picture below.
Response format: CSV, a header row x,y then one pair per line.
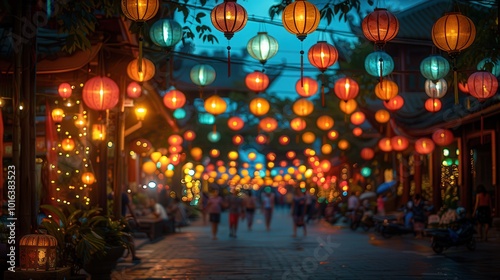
x,y
84,237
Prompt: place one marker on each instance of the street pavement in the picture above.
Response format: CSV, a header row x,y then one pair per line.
x,y
327,252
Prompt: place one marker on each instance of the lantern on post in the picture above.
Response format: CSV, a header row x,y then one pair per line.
x,y
380,26
100,93
38,252
301,18
322,55
257,81
262,47
229,17
202,75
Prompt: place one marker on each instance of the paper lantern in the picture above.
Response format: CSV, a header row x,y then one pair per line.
x,y
343,144
174,99
357,131
155,156
333,134
434,67
165,33
174,150
306,87
325,122
235,123
433,105
322,55
134,90
214,136
215,105
214,153
348,106
64,90
196,153
38,252
259,106
443,137
68,144
57,115
141,73
386,89
140,10
308,137
394,103
385,144
346,88
262,47
284,140
202,75
358,118
424,146
100,93
261,139
268,124
303,107
298,124
399,143
88,178
257,81
453,33
482,85
300,18
382,116
237,139
326,149
436,89
380,26
487,64
367,153
175,140
379,64
189,135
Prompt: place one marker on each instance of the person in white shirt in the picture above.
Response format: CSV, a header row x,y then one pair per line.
x,y
159,212
353,204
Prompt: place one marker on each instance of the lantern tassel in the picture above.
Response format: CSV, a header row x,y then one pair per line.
x,y
323,95
214,128
228,61
201,92
301,68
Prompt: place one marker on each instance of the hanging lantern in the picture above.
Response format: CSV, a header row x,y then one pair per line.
x,y
386,89
88,178
196,153
261,139
235,123
174,150
189,135
367,153
308,137
268,124
443,137
57,115
174,140
326,149
482,85
358,118
141,73
333,135
348,106
284,140
394,103
38,252
385,144
174,99
257,81
434,67
346,88
165,33
380,26
322,55
433,105
298,124
306,87
140,10
259,106
155,156
215,105
68,144
81,121
357,131
453,33
436,89
382,116
379,64
424,146
134,90
229,17
325,122
213,136
262,47
100,93
202,75
237,139
399,143
303,107
487,64
98,132
343,144
64,90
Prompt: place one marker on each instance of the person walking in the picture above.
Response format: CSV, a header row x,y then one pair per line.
x,y
419,218
236,210
268,206
482,211
250,203
214,209
299,211
380,205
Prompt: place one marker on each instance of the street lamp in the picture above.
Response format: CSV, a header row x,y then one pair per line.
x,y
140,113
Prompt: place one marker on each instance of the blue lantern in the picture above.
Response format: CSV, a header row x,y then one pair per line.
x,y
179,114
379,64
490,65
366,172
434,67
206,118
165,33
213,136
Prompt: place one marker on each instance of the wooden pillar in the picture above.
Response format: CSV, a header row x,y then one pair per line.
x,y
404,171
465,168
435,170
417,178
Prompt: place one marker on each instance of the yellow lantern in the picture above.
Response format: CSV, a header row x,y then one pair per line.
x,y
259,106
149,167
325,122
68,144
300,18
303,107
155,156
326,149
453,33
386,89
382,116
88,178
98,132
348,106
333,134
232,155
141,72
196,153
57,115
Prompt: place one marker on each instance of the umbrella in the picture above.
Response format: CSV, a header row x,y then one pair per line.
x,y
367,195
385,186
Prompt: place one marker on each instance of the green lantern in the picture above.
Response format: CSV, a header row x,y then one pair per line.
x,y
434,67
202,75
379,64
213,136
262,47
166,33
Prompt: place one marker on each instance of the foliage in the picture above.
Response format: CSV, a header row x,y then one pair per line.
x,y
82,234
328,11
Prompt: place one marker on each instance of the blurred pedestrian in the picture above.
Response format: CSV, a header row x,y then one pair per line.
x,y
236,211
268,206
418,215
482,211
250,203
380,205
299,205
214,208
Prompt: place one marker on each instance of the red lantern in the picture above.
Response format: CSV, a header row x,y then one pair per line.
x,y
175,140
394,103
443,137
346,88
367,153
134,90
382,116
380,26
257,81
235,123
357,131
482,85
268,124
463,87
174,99
261,139
424,146
358,118
100,93
385,144
284,140
65,90
189,135
237,139
298,124
399,143
306,87
322,55
433,105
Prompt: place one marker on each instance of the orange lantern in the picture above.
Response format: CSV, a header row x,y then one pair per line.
x,y
343,144
140,10
433,105
175,150
196,153
303,107
453,33
261,139
174,99
189,135
385,144
386,89
257,81
268,124
64,90
308,137
443,137
141,73
325,122
175,140
357,118
380,26
215,105
399,143
291,154
155,156
367,153
325,165
284,140
235,123
271,156
482,85
300,18
100,93
57,115
382,116
68,144
326,149
237,139
88,178
298,124
394,103
214,153
134,90
357,131
333,134
346,88
348,106
259,106
424,146
306,87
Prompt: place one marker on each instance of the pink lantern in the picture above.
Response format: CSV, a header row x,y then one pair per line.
x,y
482,85
443,137
65,90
